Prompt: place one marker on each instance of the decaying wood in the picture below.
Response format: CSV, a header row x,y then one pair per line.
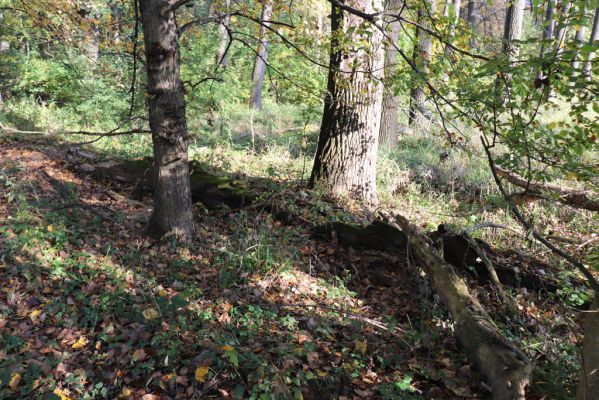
x,y
211,190
504,365
457,251
588,388
572,197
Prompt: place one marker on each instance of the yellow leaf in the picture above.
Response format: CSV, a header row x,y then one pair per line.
x,y
150,313
15,379
571,176
126,392
162,292
50,228
200,374
361,347
227,348
321,374
34,314
62,394
79,344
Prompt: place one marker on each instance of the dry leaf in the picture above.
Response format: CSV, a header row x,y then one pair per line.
x,y
15,379
227,348
361,347
200,374
62,394
150,313
79,344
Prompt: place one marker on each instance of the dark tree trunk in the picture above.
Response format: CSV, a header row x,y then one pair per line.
x,y
587,70
261,56
419,114
389,128
471,21
547,35
346,156
172,216
588,388
223,30
512,31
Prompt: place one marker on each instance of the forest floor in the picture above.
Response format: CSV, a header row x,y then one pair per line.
x,y
255,308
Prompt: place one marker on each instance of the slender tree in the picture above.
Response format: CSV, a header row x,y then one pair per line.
x,y
389,128
456,6
261,55
346,155
419,114
578,41
172,216
594,41
471,18
549,26
223,30
561,32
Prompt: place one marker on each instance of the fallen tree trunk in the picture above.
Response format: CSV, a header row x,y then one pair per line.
x,y
504,365
572,197
211,190
456,251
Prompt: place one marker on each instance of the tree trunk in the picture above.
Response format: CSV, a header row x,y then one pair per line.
x,y
471,21
587,70
512,30
588,388
172,216
457,5
419,114
389,127
346,156
223,30
547,35
261,55
116,13
562,27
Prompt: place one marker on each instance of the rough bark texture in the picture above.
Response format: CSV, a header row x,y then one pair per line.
x,y
575,198
223,30
588,388
506,368
172,216
419,115
512,31
261,55
389,125
549,26
345,160
588,65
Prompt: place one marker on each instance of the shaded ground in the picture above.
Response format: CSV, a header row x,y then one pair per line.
x,y
255,308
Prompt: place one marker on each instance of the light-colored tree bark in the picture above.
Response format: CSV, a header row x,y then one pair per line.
x,y
594,40
419,115
261,55
471,18
561,31
172,216
455,6
389,128
223,30
346,156
512,31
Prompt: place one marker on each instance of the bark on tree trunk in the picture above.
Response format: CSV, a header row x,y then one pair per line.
x,y
115,10
593,41
562,27
456,6
507,369
547,35
261,56
223,30
513,28
172,216
389,127
345,160
588,388
471,21
419,114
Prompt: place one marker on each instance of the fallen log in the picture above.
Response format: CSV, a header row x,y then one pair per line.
x,y
209,189
506,368
456,251
576,198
